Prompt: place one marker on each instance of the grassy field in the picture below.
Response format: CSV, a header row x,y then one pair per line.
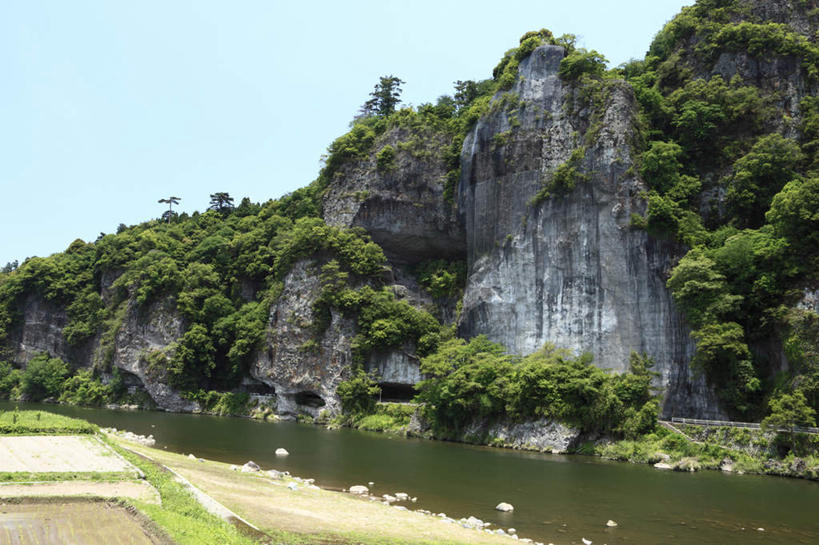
x,y
42,423
311,516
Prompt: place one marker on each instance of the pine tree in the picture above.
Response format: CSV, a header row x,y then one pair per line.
x,y
385,97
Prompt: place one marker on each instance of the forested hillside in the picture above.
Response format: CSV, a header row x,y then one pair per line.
x,y
662,216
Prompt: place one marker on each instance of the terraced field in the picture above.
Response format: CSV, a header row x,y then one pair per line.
x,y
72,523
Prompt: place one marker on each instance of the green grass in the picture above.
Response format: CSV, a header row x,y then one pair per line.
x,y
26,476
749,451
180,515
388,418
41,422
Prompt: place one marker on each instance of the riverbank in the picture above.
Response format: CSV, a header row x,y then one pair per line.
x,y
688,448
293,510
117,471
685,448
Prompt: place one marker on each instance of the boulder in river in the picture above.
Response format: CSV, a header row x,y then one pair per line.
x,y
505,507
282,452
611,524
359,489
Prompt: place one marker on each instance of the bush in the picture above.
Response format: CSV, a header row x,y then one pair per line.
x,y
43,377
84,389
9,380
759,175
358,393
581,62
476,380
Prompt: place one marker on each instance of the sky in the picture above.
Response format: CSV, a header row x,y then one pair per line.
x,y
106,107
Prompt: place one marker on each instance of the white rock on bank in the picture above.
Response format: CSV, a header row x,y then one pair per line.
x,y
388,498
401,496
250,467
282,452
505,507
662,465
359,489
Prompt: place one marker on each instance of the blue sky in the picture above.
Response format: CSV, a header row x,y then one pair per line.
x,y
105,107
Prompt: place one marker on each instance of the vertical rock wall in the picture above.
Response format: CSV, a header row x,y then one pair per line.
x,y
568,270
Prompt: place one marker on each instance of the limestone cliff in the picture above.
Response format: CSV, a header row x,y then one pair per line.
x,y
568,270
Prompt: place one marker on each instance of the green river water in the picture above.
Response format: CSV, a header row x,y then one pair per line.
x,y
558,499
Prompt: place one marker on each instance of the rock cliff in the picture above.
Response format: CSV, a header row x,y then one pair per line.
x,y
568,270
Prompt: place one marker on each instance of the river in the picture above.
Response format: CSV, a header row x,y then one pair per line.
x,y
557,499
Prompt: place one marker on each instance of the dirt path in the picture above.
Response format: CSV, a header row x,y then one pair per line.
x,y
137,490
68,453
271,505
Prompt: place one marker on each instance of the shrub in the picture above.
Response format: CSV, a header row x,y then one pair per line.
x,y
84,389
43,377
581,62
358,393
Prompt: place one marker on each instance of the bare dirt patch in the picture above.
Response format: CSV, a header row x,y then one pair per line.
x,y
89,523
43,454
136,490
271,505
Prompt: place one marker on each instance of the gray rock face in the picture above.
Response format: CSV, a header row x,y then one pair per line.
x,y
402,207
143,331
543,435
303,371
569,270
396,366
42,330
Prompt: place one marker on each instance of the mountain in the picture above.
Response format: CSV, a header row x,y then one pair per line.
x,y
668,207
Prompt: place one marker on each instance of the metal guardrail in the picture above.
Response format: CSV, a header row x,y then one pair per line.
x,y
751,425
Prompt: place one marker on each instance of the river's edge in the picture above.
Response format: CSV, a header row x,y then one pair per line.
x,y
738,451
282,489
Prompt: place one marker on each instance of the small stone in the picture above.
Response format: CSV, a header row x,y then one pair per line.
x,y
388,498
401,496
234,467
760,529
292,486
370,484
191,456
512,531
585,541
611,524
273,474
282,452
414,499
359,489
250,467
505,507
662,465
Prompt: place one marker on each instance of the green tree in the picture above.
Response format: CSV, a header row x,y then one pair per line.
x,y
43,377
385,97
580,62
170,201
789,411
358,393
221,202
759,175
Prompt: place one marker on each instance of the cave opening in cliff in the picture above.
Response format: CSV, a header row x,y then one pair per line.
x,y
309,399
393,391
